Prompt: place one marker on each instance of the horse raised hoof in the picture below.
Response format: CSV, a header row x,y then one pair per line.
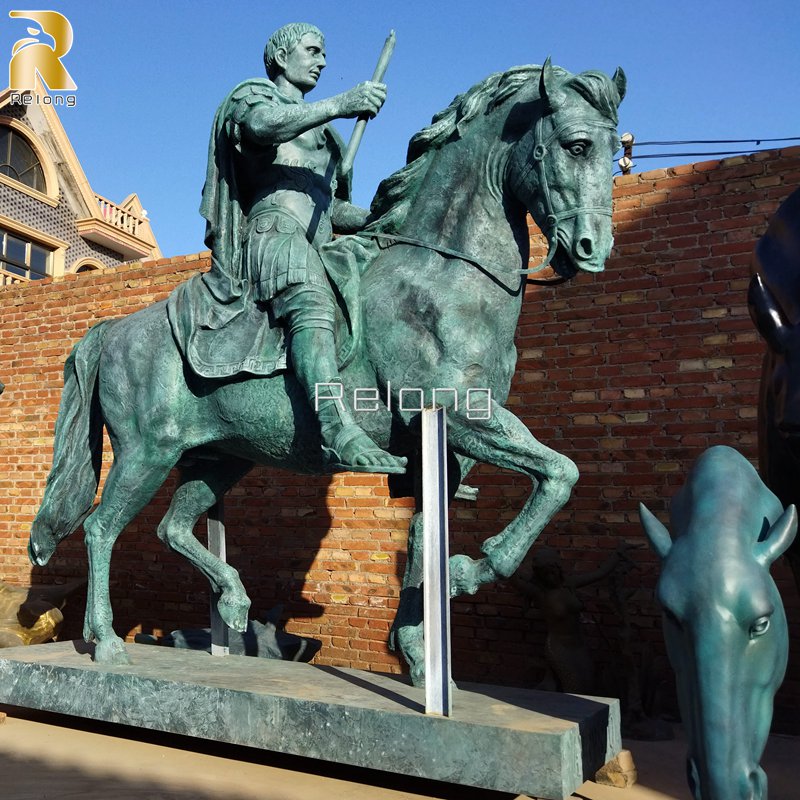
x,y
112,653
233,609
468,575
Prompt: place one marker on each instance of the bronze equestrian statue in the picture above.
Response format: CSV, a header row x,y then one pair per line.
x,y
428,295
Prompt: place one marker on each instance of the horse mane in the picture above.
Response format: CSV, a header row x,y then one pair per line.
x,y
396,194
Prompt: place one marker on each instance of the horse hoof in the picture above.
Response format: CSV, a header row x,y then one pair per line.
x,y
233,611
112,653
467,575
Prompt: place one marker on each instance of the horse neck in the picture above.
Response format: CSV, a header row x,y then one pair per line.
x,y
463,204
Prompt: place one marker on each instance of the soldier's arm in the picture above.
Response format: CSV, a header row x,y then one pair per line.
x,y
267,123
348,218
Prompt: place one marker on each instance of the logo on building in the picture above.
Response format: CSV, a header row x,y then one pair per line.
x,y
35,54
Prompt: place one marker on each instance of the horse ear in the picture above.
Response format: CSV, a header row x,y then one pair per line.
x,y
621,82
551,94
778,538
659,537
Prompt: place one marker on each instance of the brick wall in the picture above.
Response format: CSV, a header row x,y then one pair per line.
x,y
632,373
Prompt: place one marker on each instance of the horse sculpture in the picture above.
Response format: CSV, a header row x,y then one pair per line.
x,y
774,302
440,305
724,623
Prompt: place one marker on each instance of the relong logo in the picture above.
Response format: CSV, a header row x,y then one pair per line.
x,y
34,54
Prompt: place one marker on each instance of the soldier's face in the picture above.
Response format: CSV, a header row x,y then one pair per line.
x,y
305,62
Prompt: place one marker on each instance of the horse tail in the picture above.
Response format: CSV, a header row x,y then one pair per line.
x,y
77,451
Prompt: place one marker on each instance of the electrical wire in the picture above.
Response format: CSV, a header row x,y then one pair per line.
x,y
701,153
719,141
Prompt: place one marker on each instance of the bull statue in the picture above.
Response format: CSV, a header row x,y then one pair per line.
x,y
724,623
774,302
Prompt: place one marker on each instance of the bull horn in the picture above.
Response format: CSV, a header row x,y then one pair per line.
x,y
656,532
551,94
621,82
766,314
778,538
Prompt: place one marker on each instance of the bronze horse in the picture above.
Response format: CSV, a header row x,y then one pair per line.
x,y
440,304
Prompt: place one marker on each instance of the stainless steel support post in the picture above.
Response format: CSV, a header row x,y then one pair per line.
x,y
436,586
216,545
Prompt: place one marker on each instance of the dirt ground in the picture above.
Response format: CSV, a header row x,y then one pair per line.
x,y
47,756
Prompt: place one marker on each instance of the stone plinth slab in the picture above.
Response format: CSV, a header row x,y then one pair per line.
x,y
511,740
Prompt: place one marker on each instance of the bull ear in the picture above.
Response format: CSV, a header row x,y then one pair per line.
x,y
767,315
621,82
549,90
778,538
659,537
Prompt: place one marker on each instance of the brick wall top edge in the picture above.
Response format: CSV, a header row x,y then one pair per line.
x,y
704,166
30,289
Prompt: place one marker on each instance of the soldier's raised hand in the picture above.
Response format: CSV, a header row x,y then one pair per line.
x,y
366,98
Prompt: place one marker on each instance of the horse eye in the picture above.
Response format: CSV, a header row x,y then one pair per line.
x,y
578,148
759,627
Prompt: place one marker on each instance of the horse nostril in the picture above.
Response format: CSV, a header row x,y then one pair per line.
x,y
585,247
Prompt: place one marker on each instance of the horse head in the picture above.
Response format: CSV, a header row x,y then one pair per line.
x,y
561,168
724,625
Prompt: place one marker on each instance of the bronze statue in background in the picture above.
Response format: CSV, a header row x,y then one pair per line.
x,y
774,302
32,614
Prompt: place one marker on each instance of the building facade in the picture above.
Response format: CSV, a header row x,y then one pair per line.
x,y
52,223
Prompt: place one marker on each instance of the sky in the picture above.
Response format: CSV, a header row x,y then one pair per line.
x,y
150,75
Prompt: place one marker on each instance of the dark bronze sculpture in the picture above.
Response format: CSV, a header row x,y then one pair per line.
x,y
570,666
774,302
724,623
429,294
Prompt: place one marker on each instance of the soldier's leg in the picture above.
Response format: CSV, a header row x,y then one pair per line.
x,y
308,313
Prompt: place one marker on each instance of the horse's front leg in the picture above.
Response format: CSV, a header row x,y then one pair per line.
x,y
504,441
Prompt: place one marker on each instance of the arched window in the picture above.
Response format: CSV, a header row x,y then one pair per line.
x,y
18,161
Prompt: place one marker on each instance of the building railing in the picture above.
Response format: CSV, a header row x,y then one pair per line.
x,y
7,278
118,216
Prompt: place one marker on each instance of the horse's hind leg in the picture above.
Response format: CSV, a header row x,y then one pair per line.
x,y
406,634
200,486
132,482
407,629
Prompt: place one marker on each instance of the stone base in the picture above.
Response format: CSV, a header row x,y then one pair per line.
x,y
510,740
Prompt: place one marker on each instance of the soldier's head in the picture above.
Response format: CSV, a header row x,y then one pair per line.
x,y
296,51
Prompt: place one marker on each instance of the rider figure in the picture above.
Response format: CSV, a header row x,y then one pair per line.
x,y
286,177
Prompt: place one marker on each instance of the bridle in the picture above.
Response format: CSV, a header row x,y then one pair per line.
x,y
552,217
536,164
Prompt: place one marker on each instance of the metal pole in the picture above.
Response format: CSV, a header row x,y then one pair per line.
x,y
436,586
216,546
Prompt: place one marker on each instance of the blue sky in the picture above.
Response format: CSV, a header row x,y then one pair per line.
x,y
151,74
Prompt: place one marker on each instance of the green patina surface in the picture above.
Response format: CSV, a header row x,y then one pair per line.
x,y
428,289
526,742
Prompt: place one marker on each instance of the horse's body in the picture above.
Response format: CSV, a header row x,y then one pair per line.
x,y
774,300
531,139
724,623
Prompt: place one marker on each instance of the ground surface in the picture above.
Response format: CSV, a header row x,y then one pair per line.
x,y
52,757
